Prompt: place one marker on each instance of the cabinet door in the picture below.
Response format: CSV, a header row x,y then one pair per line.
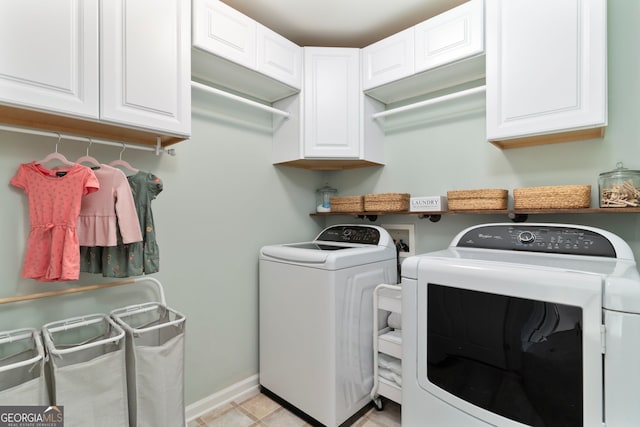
x,y
331,102
388,60
49,55
546,67
145,66
450,36
223,31
279,58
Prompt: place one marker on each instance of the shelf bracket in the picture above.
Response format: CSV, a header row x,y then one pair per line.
x,y
518,217
372,218
432,218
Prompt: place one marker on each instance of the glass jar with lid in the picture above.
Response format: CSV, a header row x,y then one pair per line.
x,y
323,198
619,188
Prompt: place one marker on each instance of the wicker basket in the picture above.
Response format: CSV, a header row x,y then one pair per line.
x,y
347,204
386,202
477,199
552,197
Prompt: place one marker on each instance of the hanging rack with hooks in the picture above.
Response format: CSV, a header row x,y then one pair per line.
x,y
158,149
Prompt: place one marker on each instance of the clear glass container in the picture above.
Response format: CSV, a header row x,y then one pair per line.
x,y
619,188
323,198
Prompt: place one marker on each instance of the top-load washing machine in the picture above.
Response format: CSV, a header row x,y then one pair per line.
x,y
522,325
316,314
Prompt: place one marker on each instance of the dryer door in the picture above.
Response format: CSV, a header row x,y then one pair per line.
x,y
510,344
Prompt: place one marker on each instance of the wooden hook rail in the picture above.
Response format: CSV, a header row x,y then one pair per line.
x,y
86,288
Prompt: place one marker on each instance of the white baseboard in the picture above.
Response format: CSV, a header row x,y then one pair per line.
x,y
236,391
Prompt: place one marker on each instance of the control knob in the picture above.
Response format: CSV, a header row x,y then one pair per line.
x,y
526,237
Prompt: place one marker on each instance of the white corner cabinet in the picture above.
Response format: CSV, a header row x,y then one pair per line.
x,y
387,345
546,71
441,52
233,51
115,69
330,124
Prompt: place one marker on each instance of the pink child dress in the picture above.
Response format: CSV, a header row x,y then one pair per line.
x,y
53,251
103,211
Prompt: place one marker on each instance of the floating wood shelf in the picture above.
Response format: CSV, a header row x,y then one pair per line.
x,y
516,215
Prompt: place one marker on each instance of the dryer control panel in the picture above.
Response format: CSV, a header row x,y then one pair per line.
x,y
547,239
350,234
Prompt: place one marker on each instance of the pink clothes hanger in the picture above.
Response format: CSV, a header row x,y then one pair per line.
x,y
87,158
56,155
123,163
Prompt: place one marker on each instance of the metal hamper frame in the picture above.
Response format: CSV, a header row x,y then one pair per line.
x,y
22,360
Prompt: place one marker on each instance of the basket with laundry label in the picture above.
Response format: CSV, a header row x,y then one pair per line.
x,y
87,364
155,364
22,359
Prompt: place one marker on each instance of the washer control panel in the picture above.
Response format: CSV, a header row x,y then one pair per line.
x,y
547,239
350,234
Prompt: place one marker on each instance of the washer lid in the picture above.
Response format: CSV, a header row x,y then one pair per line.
x,y
349,255
289,253
317,246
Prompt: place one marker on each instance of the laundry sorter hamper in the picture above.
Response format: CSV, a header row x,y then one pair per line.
x,y
155,364
22,358
88,371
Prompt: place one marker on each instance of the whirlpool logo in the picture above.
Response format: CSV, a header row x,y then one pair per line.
x,y
31,416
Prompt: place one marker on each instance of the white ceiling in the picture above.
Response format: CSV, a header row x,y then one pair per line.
x,y
340,23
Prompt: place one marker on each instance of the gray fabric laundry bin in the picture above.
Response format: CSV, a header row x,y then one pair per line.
x,y
88,370
22,360
155,364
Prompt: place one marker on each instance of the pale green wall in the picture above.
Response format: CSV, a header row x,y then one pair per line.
x,y
223,200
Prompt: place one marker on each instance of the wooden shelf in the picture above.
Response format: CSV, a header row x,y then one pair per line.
x,y
517,215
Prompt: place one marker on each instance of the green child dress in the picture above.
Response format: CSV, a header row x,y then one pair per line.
x,y
132,259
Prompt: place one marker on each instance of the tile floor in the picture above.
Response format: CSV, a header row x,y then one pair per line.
x,y
260,410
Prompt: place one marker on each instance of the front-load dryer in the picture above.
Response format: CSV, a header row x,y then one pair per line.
x,y
519,325
316,315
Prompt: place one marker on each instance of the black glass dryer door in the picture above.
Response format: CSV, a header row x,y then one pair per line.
x,y
516,357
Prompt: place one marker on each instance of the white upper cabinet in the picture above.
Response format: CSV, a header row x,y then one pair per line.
x,y
123,64
233,51
450,36
388,60
279,58
439,53
330,126
222,30
145,67
546,71
49,55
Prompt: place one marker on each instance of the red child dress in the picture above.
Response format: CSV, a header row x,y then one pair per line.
x,y
53,252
